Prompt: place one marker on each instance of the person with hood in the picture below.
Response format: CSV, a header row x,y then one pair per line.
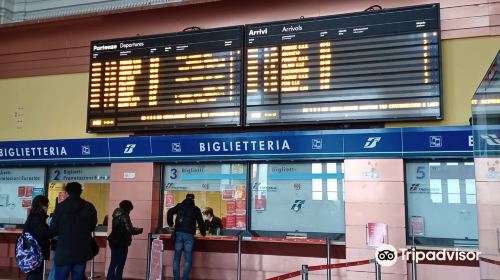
x,y
38,228
120,238
73,222
187,215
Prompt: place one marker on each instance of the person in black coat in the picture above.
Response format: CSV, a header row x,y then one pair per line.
x,y
187,216
38,228
73,222
120,238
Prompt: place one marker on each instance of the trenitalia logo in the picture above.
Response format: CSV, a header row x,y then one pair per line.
x,y
372,142
129,148
491,139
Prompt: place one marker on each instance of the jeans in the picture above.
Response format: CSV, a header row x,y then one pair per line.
x,y
118,258
183,242
36,274
52,272
77,271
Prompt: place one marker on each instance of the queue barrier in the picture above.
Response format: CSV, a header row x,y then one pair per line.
x,y
490,261
306,269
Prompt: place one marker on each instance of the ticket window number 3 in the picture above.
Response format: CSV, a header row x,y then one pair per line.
x,y
420,174
173,173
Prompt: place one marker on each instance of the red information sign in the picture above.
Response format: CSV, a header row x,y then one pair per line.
x,y
155,266
376,234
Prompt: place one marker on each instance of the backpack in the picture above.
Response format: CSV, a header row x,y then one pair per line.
x,y
28,252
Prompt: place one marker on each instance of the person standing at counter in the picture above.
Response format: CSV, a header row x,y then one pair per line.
x,y
120,239
187,216
213,224
73,222
38,228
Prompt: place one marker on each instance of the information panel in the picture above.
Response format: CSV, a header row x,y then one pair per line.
x,y
369,66
189,79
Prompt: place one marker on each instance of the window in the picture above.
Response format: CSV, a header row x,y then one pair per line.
x,y
442,203
95,183
294,198
221,187
18,187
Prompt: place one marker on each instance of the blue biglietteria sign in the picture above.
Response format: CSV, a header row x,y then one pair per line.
x,y
423,142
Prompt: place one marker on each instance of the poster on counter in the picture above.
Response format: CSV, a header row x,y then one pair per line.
x,y
18,187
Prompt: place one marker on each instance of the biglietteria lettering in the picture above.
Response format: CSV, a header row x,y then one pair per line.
x,y
27,152
244,146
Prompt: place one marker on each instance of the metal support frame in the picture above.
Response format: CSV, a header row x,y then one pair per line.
x,y
328,259
378,272
413,259
238,268
91,277
44,270
148,258
304,272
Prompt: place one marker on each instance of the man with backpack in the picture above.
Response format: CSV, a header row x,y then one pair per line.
x,y
73,222
187,215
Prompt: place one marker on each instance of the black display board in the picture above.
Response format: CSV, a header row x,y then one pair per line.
x,y
369,66
189,79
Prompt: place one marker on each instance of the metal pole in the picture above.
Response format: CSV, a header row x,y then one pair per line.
x,y
328,259
43,277
304,272
378,274
413,259
238,267
148,258
92,263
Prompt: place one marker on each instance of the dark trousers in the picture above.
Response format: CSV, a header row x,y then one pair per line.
x,y
118,258
77,271
36,274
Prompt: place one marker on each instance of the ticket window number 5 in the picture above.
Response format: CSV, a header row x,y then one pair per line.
x,y
420,174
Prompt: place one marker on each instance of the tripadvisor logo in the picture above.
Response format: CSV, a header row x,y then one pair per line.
x,y
387,255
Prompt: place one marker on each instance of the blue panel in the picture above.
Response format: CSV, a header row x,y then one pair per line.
x,y
443,142
373,142
253,145
305,176
212,177
130,147
55,150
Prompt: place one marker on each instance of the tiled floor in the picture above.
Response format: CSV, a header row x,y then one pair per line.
x,y
14,274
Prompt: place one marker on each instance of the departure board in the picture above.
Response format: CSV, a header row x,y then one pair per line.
x,y
189,79
370,66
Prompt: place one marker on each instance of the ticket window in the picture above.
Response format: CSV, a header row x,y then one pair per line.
x,y
302,200
219,186
441,206
95,183
18,188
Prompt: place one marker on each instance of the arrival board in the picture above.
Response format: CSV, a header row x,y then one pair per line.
x,y
369,66
189,79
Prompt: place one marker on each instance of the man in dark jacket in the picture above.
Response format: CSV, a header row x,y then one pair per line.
x,y
187,215
73,222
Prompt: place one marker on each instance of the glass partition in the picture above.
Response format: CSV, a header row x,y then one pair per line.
x,y
298,199
18,187
95,182
442,203
221,187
